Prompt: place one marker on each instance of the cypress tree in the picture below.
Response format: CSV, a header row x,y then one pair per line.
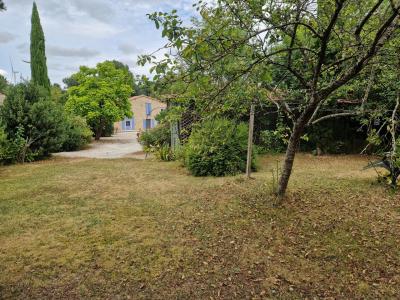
x,y
38,52
2,5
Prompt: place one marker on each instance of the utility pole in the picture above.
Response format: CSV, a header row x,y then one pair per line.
x,y
250,141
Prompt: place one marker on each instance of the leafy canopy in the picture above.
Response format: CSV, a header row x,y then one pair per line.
x,y
101,95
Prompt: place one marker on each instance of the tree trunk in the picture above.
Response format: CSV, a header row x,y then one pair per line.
x,y
98,133
99,130
293,144
289,158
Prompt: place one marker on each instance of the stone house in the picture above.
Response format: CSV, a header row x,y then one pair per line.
x,y
144,110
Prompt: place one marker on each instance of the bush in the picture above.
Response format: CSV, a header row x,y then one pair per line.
x,y
272,141
35,125
47,128
78,133
6,149
157,141
16,150
217,148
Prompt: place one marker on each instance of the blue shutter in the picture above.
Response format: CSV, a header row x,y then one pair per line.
x,y
152,123
133,123
144,123
148,109
123,125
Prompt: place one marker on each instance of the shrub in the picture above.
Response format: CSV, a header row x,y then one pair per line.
x,y
272,141
157,141
16,150
164,153
217,148
78,133
35,124
46,132
6,151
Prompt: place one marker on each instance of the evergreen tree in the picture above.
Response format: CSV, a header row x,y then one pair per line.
x,y
38,52
2,5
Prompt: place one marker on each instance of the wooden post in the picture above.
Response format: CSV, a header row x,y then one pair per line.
x,y
250,142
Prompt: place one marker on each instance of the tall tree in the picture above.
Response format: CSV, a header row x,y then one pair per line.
x,y
101,95
2,5
320,49
38,52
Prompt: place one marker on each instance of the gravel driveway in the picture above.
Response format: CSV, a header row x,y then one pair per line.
x,y
119,145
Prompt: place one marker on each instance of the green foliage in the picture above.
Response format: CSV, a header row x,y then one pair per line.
x,y
2,5
33,122
108,129
101,95
70,81
3,84
164,153
157,141
57,94
217,148
130,79
143,85
78,133
16,149
274,141
271,142
6,148
38,52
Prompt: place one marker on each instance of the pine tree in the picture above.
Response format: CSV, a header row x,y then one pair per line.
x,y
38,52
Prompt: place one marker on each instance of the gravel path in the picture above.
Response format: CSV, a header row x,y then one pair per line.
x,y
119,145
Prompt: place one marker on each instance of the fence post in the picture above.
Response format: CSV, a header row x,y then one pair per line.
x,y
250,142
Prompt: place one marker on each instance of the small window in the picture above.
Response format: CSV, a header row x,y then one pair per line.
x,y
128,124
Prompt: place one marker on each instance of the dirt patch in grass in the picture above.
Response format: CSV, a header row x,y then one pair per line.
x,y
80,228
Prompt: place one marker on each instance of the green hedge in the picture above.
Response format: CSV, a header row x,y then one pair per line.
x,y
217,148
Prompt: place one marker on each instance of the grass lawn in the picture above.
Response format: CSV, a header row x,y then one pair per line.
x,y
146,230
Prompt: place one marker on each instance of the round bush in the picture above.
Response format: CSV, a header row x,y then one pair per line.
x,y
77,135
217,148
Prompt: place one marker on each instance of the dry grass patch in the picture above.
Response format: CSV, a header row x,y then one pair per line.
x,y
142,229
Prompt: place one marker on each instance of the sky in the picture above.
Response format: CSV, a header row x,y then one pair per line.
x,y
83,32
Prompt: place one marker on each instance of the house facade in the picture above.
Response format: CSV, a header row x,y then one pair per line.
x,y
144,109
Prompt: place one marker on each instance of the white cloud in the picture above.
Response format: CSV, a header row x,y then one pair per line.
x,y
84,32
3,72
127,48
71,52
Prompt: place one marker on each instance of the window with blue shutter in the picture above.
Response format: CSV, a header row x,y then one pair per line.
x,y
148,109
152,123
